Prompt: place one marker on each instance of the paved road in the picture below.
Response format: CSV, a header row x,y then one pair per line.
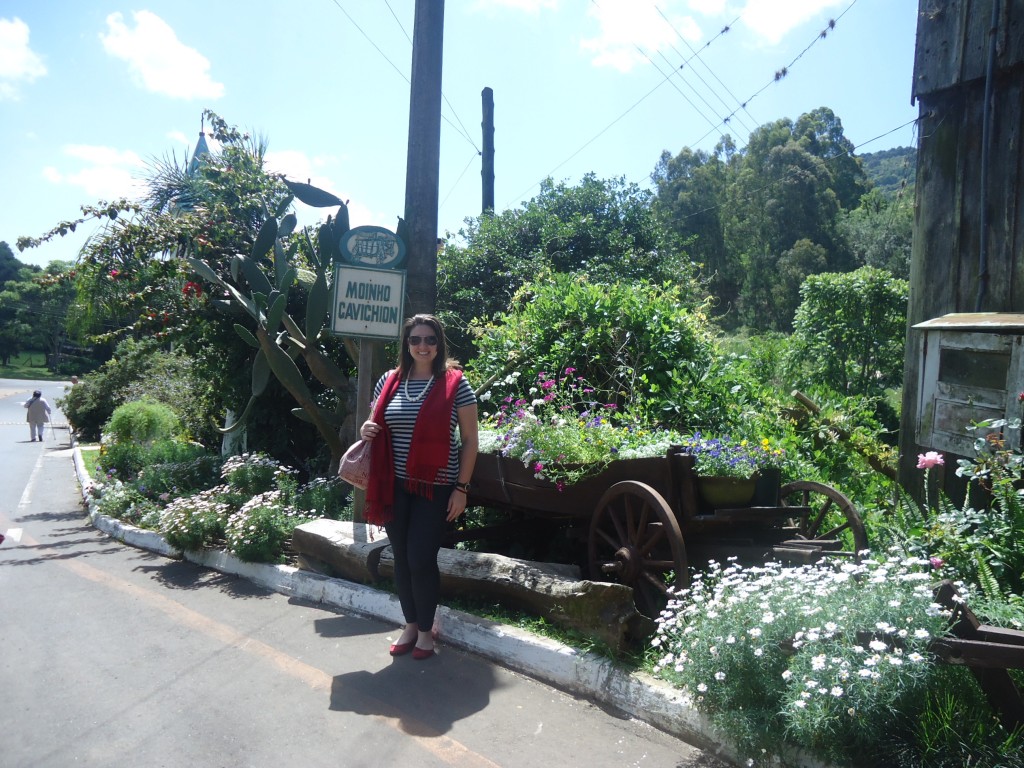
x,y
113,656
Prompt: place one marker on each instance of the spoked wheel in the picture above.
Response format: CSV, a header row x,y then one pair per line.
x,y
635,540
833,521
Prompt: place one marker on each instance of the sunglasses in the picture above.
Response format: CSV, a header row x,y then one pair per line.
x,y
415,341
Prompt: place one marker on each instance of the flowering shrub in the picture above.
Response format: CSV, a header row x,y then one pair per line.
x,y
979,546
122,501
325,497
819,657
192,522
258,531
253,473
563,434
722,457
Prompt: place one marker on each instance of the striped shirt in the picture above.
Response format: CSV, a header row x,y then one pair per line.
x,y
401,413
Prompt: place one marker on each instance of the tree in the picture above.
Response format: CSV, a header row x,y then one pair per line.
x,y
134,279
689,201
850,330
10,267
740,213
604,229
880,232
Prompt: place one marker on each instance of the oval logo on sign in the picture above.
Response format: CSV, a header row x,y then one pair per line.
x,y
372,247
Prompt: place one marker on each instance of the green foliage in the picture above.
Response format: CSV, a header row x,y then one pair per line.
x,y
633,343
957,728
850,330
141,370
33,306
891,171
830,658
603,229
880,232
325,497
183,469
142,421
127,460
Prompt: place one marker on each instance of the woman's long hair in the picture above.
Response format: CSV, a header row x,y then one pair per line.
x,y
441,362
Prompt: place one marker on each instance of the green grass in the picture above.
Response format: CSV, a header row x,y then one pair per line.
x,y
29,365
90,457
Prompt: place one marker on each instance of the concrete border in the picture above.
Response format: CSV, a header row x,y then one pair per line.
x,y
593,677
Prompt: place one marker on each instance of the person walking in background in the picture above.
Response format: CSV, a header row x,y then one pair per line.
x,y
419,471
37,416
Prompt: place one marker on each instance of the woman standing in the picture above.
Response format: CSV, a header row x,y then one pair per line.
x,y
420,470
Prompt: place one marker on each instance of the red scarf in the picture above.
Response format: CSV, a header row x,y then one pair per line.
x,y
428,453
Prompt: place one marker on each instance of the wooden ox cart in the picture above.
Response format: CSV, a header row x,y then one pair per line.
x,y
644,520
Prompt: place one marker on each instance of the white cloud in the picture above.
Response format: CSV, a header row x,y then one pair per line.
x,y
158,61
707,7
18,63
179,138
626,25
770,20
298,166
102,172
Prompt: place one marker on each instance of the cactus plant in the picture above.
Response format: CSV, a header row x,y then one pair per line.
x,y
277,338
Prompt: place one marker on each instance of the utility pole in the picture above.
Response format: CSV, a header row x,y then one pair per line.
x,y
487,164
424,158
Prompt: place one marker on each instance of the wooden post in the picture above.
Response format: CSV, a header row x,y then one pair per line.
x,y
487,164
370,368
424,156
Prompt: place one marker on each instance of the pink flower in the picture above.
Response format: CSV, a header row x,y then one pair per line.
x,y
538,467
929,460
936,562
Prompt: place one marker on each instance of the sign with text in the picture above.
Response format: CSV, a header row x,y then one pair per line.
x,y
368,303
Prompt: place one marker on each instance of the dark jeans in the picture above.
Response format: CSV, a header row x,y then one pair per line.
x,y
415,534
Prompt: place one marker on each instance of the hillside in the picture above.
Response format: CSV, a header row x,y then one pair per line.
x,y
889,169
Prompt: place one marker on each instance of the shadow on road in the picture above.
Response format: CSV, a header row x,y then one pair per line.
x,y
181,574
425,698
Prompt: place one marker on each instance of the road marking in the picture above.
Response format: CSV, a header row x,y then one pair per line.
x,y
442,747
26,495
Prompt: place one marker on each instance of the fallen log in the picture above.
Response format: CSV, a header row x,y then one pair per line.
x,y
339,549
598,610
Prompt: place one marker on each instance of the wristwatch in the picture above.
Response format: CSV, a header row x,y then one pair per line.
x,y
464,487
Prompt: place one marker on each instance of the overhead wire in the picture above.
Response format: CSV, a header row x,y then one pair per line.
x,y
781,74
629,109
694,54
460,128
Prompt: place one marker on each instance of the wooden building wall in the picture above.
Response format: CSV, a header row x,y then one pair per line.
x,y
949,87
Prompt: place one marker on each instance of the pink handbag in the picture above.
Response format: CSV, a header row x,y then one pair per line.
x,y
355,464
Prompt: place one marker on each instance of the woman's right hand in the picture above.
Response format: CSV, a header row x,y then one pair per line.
x,y
369,430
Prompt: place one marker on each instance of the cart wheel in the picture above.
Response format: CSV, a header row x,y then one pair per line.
x,y
635,540
832,517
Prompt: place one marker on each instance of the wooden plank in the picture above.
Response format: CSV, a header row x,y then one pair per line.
x,y
977,653
953,42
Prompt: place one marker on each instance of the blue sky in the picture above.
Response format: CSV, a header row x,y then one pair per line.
x,y
92,92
